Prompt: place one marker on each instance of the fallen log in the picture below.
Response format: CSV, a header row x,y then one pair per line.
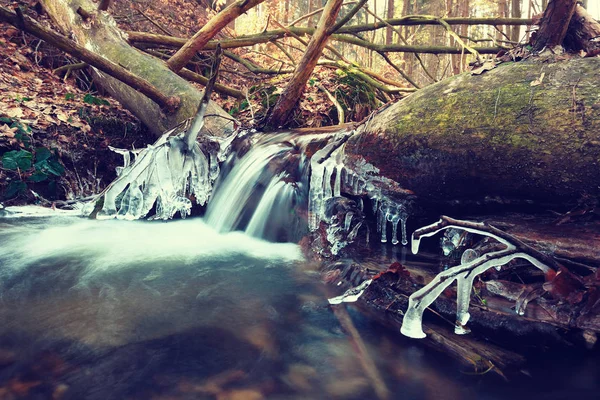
x,y
101,35
112,69
526,130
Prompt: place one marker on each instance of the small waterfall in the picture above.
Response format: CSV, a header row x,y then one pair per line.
x,y
261,194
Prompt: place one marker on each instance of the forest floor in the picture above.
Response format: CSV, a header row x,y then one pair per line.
x,y
56,126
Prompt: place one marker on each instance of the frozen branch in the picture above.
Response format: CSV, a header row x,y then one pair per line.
x,y
464,274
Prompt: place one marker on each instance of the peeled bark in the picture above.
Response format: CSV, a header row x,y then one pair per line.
x,y
101,35
498,134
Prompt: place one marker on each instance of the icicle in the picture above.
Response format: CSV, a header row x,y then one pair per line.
x,y
403,214
348,221
354,232
338,181
352,294
213,166
395,220
131,203
327,189
361,204
384,214
315,200
126,158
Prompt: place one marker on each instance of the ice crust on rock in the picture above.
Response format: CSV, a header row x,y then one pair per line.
x,y
463,274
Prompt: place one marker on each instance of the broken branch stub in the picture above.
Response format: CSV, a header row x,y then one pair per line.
x,y
464,274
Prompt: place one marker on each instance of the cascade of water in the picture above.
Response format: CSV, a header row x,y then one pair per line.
x,y
272,211
226,210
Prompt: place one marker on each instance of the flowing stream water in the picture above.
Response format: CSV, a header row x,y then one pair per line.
x,y
207,308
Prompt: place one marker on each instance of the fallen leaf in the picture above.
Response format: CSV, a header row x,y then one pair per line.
x,y
14,112
539,80
487,66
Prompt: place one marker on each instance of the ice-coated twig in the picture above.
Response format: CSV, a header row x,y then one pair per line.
x,y
464,274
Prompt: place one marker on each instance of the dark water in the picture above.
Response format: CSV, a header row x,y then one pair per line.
x,y
140,310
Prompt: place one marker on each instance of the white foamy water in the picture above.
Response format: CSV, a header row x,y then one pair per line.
x,y
113,243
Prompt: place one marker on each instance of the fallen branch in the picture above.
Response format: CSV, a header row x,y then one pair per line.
x,y
292,92
208,31
222,89
346,18
370,77
255,68
69,67
269,36
198,122
61,42
397,48
315,12
284,51
336,103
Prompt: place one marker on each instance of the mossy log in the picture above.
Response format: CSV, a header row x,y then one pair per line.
x,y
528,130
100,34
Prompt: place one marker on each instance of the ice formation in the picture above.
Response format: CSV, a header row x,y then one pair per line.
x,y
389,211
330,176
352,294
463,274
163,176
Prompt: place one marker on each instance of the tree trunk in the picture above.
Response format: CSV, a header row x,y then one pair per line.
x,y
103,37
498,134
582,33
291,94
515,12
389,34
555,23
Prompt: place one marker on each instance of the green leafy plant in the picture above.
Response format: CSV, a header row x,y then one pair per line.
x,y
39,166
17,159
91,99
23,131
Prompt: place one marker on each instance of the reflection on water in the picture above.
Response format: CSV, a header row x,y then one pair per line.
x,y
112,310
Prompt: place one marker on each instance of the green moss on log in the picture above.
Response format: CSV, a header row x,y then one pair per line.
x,y
495,134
